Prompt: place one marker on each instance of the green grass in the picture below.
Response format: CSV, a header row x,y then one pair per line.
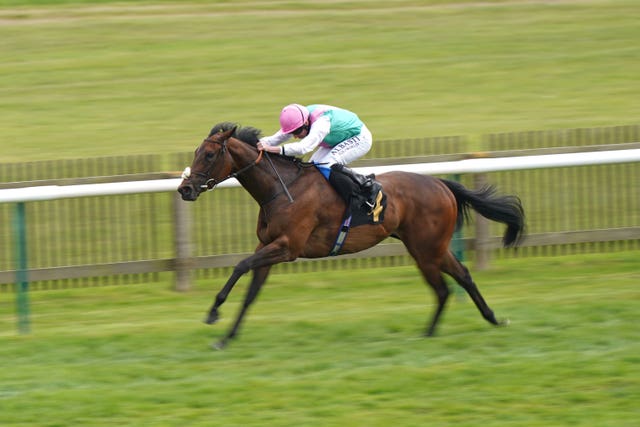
x,y
335,349
84,78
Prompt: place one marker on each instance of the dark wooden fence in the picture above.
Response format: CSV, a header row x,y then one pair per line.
x,y
97,241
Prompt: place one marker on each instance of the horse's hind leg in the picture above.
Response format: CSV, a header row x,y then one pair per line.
x,y
460,273
433,276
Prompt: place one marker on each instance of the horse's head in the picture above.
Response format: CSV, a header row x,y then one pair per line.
x,y
211,164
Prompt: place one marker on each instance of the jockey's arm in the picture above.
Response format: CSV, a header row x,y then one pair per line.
x,y
317,133
275,139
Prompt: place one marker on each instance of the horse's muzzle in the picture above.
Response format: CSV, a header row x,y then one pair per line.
x,y
188,191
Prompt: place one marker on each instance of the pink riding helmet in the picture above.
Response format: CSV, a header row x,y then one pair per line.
x,y
292,117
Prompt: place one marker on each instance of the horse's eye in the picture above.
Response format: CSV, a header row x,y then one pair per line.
x,y
209,156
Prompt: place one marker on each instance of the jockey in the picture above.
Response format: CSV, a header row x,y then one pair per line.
x,y
339,136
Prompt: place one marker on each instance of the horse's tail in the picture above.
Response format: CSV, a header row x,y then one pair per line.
x,y
505,209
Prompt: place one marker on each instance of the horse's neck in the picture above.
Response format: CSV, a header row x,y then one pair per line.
x,y
261,180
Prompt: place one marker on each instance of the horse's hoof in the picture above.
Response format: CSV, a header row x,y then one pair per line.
x,y
504,322
220,345
212,318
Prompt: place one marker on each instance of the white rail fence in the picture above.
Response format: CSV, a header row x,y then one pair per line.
x,y
474,165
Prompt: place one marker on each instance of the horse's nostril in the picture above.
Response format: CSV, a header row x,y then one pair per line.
x,y
184,190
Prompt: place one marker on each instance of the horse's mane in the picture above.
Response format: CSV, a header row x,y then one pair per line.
x,y
247,134
251,136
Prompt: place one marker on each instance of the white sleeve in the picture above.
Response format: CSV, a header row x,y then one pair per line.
x,y
317,133
275,139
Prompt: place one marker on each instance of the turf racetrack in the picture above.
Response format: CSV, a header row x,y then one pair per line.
x,y
335,349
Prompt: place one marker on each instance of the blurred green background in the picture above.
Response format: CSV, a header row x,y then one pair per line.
x,y
84,78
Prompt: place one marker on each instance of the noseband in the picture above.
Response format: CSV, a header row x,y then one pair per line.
x,y
211,183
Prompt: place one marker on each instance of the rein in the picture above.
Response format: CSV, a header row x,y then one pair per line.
x,y
284,187
231,175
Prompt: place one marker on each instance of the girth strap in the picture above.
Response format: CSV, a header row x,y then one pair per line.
x,y
342,236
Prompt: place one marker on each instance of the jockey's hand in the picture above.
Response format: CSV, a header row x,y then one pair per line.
x,y
268,148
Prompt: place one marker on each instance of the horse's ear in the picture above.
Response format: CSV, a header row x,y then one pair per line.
x,y
228,133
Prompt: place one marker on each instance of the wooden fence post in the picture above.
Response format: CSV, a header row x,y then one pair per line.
x,y
482,229
183,245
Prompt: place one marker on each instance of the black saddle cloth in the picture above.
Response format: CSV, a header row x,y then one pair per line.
x,y
360,209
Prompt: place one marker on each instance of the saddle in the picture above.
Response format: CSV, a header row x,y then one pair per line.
x,y
363,195
365,201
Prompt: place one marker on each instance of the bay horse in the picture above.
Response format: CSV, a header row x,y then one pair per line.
x,y
301,215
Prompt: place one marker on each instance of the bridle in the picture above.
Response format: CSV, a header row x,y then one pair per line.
x,y
211,183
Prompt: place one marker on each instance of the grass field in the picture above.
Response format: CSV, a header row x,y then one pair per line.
x,y
93,78
335,349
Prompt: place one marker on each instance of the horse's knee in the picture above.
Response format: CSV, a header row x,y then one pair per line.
x,y
241,268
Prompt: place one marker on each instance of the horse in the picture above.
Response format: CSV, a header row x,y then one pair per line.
x,y
301,214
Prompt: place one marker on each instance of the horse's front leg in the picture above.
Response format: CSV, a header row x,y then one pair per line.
x,y
213,315
261,261
238,271
259,277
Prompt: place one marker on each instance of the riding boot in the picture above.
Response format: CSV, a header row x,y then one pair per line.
x,y
358,185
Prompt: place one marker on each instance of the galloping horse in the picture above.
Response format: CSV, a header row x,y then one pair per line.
x,y
301,215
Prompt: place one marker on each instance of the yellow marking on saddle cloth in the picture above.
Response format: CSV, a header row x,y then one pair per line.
x,y
377,209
